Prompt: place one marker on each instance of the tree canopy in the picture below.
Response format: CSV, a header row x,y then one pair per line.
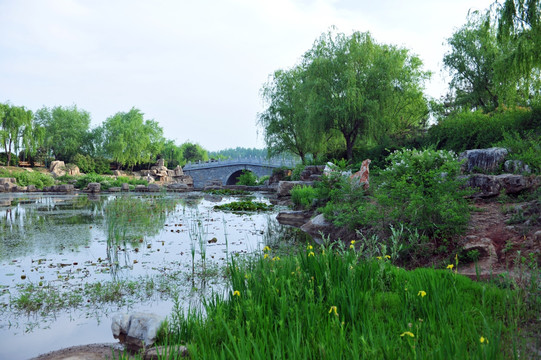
x,y
15,129
66,130
348,86
131,140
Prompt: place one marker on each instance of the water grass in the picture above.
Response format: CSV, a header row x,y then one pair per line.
x,y
333,304
244,205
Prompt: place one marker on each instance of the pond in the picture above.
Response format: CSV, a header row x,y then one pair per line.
x,y
69,262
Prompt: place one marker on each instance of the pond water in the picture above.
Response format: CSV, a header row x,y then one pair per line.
x,y
75,260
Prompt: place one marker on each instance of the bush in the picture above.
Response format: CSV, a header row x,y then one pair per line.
x,y
85,163
477,130
25,178
526,148
102,166
421,190
247,178
296,173
4,159
303,196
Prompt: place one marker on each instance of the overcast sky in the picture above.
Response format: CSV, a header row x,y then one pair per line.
x,y
196,67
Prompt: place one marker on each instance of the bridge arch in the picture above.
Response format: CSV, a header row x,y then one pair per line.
x,y
227,171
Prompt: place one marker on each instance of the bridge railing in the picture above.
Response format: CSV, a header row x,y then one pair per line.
x,y
262,161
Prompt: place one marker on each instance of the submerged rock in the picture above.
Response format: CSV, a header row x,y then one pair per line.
x,y
136,331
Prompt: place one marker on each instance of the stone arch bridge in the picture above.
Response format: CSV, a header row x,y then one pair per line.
x,y
228,171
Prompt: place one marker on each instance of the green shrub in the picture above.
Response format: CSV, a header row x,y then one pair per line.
x,y
477,130
261,180
85,163
296,173
102,166
25,178
4,159
525,147
303,196
421,189
247,178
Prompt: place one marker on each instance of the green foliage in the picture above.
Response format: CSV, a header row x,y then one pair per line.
x,y
106,182
526,148
245,205
247,178
226,192
85,163
261,180
330,304
421,189
303,196
131,140
15,129
238,152
25,178
13,160
296,172
193,152
477,130
65,129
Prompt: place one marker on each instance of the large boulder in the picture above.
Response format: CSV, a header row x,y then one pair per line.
x,y
177,187
93,187
154,187
178,171
125,187
136,331
294,218
316,227
483,160
57,168
492,185
284,187
8,185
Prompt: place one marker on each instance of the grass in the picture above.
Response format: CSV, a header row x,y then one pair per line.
x,y
330,304
226,192
245,205
25,178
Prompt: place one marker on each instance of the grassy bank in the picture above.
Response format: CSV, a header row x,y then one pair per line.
x,y
331,304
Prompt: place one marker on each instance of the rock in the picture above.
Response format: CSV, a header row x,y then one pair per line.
x,y
141,188
516,166
316,226
362,177
93,187
485,160
485,185
160,163
64,188
31,188
294,218
178,187
10,187
4,181
537,236
154,187
73,170
487,252
114,189
312,170
57,168
166,352
125,187
178,171
136,331
513,184
118,173
492,185
284,187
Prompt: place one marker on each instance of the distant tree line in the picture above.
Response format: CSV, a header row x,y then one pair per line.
x,y
125,140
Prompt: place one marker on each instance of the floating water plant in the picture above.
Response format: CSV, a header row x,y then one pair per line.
x,y
245,205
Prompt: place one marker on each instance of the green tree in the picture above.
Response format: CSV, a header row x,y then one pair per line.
x,y
15,129
478,64
363,89
131,140
286,121
193,152
66,130
519,24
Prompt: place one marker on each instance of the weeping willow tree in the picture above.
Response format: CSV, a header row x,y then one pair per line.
x,y
362,89
519,24
286,121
